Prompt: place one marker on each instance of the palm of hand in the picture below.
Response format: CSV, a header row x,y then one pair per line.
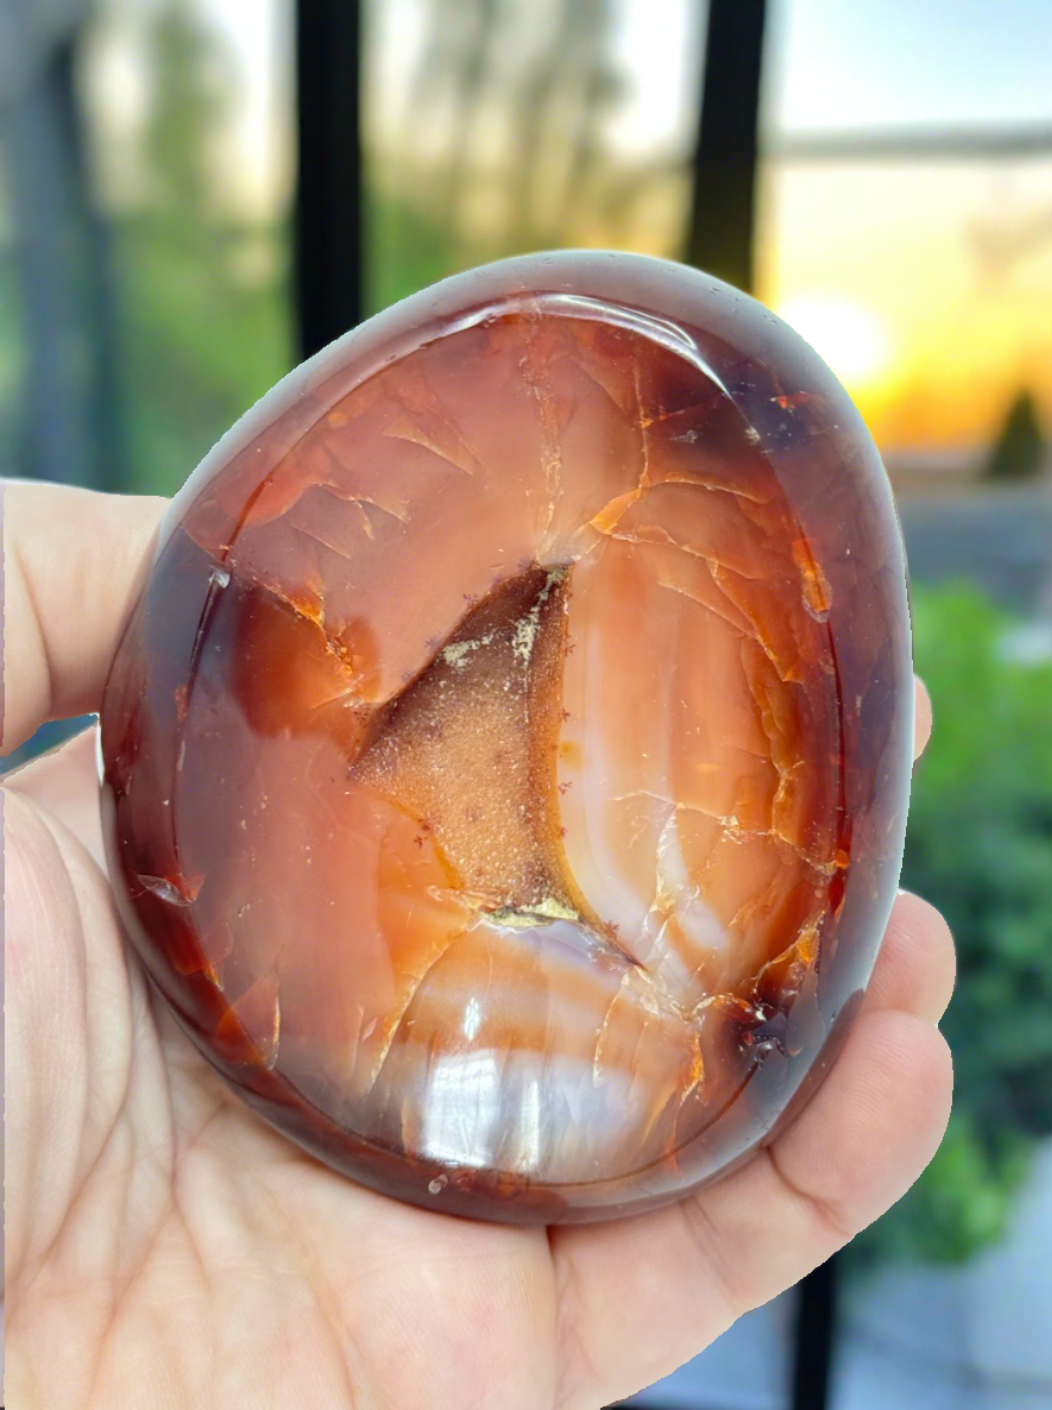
x,y
174,1241
165,1245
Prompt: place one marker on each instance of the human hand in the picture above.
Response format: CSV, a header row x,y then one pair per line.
x,y
165,1247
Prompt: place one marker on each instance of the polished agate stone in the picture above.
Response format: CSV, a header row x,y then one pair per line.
x,y
505,765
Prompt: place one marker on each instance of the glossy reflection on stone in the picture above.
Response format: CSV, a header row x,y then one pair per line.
x,y
505,765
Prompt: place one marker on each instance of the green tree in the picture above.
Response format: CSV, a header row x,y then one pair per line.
x,y
1019,451
193,86
554,81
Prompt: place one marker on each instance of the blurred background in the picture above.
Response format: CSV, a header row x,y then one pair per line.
x,y
196,193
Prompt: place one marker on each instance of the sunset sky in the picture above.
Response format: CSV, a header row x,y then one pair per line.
x,y
927,284
931,282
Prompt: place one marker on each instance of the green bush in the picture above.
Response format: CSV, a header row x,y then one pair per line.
x,y
979,845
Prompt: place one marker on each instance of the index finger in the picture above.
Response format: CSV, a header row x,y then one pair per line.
x,y
72,560
921,717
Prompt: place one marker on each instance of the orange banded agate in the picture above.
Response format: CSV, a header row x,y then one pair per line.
x,y
505,765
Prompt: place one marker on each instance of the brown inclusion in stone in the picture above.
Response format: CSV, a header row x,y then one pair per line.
x,y
469,749
505,765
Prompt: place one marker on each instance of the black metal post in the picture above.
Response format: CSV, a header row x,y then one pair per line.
x,y
329,199
814,1336
720,237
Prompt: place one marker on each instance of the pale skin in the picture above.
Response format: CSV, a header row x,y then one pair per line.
x,y
165,1248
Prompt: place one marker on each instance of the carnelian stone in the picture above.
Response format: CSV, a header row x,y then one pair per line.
x,y
505,765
